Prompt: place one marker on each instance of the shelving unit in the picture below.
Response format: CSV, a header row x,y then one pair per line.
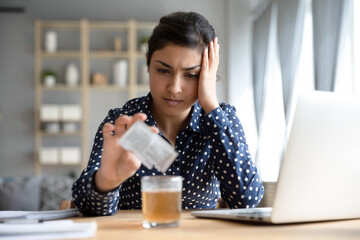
x,y
89,45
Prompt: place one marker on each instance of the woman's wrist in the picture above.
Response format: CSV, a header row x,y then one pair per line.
x,y
104,184
210,107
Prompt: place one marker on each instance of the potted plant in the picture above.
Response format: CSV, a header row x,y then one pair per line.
x,y
49,77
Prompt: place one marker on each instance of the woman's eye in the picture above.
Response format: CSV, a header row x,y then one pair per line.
x,y
192,75
161,70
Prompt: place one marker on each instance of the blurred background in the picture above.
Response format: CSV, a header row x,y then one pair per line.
x,y
62,66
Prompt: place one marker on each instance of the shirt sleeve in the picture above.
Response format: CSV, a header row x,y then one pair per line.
x,y
87,199
240,183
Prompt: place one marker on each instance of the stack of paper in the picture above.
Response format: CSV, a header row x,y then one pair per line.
x,y
39,215
58,229
34,225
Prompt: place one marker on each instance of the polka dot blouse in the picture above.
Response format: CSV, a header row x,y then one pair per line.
x,y
213,160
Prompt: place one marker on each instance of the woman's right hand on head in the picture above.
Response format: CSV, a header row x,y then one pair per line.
x,y
117,164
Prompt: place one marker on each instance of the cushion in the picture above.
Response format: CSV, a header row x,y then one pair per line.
x,y
20,193
54,189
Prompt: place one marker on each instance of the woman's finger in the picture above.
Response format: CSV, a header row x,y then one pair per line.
x,y
205,60
214,58
106,130
212,50
121,124
217,47
154,129
137,117
140,116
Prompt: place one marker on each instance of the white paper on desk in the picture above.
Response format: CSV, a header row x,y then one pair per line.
x,y
149,147
59,229
40,215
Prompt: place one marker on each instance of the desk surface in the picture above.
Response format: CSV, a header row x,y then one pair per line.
x,y
128,225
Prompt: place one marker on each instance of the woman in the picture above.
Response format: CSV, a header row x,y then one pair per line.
x,y
182,107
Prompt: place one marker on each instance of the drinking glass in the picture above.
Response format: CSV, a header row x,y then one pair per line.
x,y
161,201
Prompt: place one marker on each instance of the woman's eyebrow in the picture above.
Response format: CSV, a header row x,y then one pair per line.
x,y
164,64
169,66
191,68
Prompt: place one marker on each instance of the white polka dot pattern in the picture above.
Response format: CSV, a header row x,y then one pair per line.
x,y
213,158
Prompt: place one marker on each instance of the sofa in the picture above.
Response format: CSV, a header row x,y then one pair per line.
x,y
34,193
47,192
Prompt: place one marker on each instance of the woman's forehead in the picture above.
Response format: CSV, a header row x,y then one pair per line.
x,y
177,55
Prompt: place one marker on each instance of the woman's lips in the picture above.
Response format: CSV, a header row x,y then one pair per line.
x,y
172,102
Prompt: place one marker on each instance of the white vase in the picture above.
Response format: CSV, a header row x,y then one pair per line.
x,y
51,41
72,75
120,73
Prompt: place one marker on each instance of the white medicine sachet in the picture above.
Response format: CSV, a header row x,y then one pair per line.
x,y
149,147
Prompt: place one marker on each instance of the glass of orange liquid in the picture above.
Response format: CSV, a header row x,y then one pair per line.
x,y
161,201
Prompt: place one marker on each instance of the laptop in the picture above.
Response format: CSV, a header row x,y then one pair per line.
x,y
319,178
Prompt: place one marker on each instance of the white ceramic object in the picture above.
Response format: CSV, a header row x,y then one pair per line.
x,y
120,73
51,42
72,75
49,81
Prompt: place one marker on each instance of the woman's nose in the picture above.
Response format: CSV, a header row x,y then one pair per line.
x,y
174,85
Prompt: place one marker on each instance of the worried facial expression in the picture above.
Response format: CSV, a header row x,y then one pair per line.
x,y
174,74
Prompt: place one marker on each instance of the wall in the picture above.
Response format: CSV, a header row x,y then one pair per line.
x,y
16,60
16,95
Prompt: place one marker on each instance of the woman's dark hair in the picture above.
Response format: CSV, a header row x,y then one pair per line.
x,y
186,29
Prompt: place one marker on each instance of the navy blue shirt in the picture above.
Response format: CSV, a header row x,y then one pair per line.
x,y
213,160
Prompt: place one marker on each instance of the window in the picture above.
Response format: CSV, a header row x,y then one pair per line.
x,y
272,126
345,67
304,78
274,129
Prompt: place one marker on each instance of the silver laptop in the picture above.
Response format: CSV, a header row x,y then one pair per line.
x,y
320,173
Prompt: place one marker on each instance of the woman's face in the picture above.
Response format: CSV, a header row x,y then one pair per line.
x,y
174,73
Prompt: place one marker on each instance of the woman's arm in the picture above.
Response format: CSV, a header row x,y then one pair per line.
x,y
207,79
87,198
240,183
96,192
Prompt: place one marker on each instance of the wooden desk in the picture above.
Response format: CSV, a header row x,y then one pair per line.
x,y
127,225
